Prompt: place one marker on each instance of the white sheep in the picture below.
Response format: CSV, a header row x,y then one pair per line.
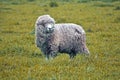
x,y
52,38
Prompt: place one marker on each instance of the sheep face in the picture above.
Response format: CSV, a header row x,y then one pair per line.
x,y
49,28
47,23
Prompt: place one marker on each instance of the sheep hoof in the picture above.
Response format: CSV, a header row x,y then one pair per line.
x,y
46,59
87,55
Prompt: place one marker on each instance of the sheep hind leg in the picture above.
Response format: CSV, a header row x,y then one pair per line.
x,y
72,55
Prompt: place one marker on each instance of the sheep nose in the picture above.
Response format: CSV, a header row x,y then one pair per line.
x,y
49,27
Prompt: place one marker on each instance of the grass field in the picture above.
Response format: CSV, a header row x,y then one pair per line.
x,y
20,59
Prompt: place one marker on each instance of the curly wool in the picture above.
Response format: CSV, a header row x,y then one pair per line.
x,y
65,38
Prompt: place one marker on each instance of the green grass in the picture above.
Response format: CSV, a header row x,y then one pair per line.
x,y
20,59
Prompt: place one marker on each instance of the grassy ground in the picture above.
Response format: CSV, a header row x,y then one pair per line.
x,y
20,59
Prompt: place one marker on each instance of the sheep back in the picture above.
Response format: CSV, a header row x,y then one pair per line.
x,y
71,37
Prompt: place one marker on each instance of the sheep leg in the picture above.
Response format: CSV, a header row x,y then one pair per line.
x,y
51,52
86,51
47,56
72,55
50,55
84,47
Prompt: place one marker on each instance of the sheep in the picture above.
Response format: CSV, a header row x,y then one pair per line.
x,y
54,38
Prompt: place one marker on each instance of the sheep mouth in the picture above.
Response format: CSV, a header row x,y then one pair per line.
x,y
50,30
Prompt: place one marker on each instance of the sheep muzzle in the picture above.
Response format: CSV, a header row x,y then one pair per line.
x,y
49,28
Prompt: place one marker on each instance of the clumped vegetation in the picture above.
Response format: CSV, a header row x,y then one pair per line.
x,y
117,8
53,4
103,5
20,59
82,1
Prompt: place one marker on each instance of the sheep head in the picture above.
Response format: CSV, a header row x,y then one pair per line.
x,y
46,23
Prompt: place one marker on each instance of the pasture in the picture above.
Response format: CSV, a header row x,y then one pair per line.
x,y
20,59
